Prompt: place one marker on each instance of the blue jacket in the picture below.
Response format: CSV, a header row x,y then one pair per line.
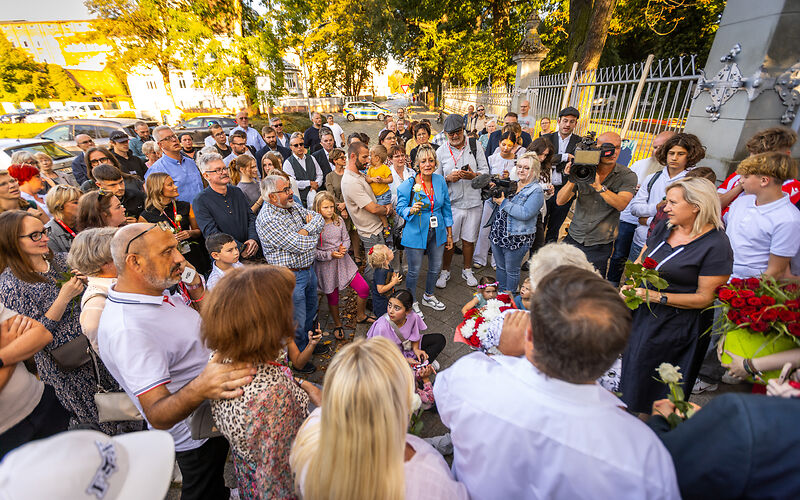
x,y
523,209
415,232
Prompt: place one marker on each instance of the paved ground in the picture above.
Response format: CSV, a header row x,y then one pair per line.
x,y
454,296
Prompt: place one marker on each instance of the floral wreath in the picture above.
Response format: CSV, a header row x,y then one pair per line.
x,y
481,327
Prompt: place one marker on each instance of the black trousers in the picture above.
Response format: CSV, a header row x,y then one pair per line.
x,y
598,255
47,419
556,215
432,344
203,469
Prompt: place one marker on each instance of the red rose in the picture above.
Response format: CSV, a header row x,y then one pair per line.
x,y
791,287
726,294
759,326
752,283
794,329
733,315
767,300
754,301
792,304
769,315
473,340
786,315
478,322
746,294
503,297
649,263
472,312
747,310
740,321
737,302
737,282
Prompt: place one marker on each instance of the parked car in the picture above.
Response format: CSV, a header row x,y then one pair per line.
x,y
61,157
51,115
364,110
198,127
17,116
99,129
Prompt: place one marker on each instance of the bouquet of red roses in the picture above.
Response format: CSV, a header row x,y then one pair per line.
x,y
762,306
639,275
479,328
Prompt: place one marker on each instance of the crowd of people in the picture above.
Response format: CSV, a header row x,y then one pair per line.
x,y
172,288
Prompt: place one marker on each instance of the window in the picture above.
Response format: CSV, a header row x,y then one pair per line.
x,y
58,133
227,122
55,151
290,80
83,128
105,132
181,83
194,122
151,85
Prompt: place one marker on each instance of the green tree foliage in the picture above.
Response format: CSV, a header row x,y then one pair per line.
x,y
397,79
23,79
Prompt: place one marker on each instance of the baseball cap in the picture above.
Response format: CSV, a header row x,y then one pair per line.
x,y
453,123
569,111
85,464
118,136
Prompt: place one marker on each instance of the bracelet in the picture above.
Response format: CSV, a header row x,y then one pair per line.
x,y
747,363
194,301
194,287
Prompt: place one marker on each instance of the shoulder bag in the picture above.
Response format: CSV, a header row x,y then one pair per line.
x,y
404,341
112,406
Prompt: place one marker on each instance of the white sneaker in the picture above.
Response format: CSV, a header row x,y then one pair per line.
x,y
432,302
417,310
435,365
730,379
701,387
443,277
469,277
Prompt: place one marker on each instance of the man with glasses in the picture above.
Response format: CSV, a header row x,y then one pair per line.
x,y
460,161
477,124
289,236
149,339
218,139
79,171
128,162
595,222
183,170
311,137
271,138
238,140
303,168
280,135
142,135
222,208
254,139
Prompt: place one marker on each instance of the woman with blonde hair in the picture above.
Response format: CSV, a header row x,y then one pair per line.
x,y
152,151
356,445
62,200
691,251
162,205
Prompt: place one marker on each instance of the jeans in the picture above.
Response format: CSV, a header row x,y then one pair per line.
x,y
46,419
635,251
414,257
371,241
305,305
622,247
509,265
556,215
598,255
203,471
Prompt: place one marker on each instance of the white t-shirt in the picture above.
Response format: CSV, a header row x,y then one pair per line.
x,y
22,392
640,169
645,202
525,122
217,273
755,232
146,341
337,133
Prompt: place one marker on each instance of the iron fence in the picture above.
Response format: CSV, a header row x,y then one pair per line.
x,y
605,98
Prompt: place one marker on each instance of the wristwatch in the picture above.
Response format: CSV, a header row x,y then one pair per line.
x,y
663,299
603,189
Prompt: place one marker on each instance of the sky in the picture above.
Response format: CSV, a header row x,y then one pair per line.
x,y
43,10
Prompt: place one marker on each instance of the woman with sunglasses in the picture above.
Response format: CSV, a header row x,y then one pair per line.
x,y
37,283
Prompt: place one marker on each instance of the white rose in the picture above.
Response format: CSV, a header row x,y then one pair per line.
x,y
669,374
416,402
417,188
468,328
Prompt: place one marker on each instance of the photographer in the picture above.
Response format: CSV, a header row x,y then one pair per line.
x,y
596,219
564,143
514,225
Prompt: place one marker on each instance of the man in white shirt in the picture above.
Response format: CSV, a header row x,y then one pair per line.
x,y
540,426
338,133
627,221
149,339
303,168
254,139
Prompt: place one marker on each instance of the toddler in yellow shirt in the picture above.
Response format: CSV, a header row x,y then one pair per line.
x,y
379,176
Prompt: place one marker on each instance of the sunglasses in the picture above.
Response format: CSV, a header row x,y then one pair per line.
x,y
300,145
278,125
98,161
37,235
163,225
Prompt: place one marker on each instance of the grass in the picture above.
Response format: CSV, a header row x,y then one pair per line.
x,y
292,122
21,130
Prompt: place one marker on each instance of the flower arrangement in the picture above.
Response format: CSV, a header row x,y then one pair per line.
x,y
482,326
639,275
671,376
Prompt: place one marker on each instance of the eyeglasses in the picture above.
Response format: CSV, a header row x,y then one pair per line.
x,y
286,190
218,171
86,142
481,109
298,145
277,125
219,134
98,161
238,143
169,138
456,132
163,225
243,118
37,235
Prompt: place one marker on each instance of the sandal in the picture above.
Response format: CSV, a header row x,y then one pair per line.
x,y
338,332
368,319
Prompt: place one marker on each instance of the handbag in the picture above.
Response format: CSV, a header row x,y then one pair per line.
x,y
407,346
202,424
112,406
72,354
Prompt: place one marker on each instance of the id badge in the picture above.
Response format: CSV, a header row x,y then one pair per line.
x,y
434,221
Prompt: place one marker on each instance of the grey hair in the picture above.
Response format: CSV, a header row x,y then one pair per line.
x,y
554,255
274,119
121,240
139,124
325,130
150,147
157,132
205,160
295,135
207,150
91,250
20,157
269,185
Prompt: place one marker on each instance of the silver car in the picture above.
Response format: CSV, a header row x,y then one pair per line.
x,y
61,157
99,129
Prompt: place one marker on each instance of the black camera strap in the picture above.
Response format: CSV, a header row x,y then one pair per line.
x,y
651,183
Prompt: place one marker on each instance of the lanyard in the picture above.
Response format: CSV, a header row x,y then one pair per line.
x,y
431,194
173,221
671,255
455,160
66,228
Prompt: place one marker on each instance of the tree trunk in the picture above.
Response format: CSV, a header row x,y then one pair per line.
x,y
588,29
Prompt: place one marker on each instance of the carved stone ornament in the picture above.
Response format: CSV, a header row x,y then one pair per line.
x,y
787,85
724,85
531,43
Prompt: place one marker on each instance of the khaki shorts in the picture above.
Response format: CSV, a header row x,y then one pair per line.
x,y
466,223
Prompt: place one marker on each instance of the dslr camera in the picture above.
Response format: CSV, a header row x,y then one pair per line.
x,y
501,186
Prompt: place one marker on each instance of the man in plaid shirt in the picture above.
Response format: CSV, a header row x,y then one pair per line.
x,y
289,235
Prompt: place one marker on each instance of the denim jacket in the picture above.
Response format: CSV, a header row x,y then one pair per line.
x,y
523,209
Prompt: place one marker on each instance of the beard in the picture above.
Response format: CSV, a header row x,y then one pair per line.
x,y
162,282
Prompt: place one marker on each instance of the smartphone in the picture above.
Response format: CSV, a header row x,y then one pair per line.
x,y
465,168
787,369
188,275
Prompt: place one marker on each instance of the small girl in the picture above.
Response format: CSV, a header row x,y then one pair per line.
x,y
244,175
379,176
334,267
384,279
523,300
487,290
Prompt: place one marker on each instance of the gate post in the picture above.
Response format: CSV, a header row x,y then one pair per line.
x,y
528,59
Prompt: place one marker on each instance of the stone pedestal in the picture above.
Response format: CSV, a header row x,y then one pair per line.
x,y
768,40
528,60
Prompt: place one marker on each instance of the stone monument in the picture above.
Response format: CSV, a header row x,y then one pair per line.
x,y
528,59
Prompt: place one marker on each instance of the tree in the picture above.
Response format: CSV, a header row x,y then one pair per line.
x,y
588,29
21,78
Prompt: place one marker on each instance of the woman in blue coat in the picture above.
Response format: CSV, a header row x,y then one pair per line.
x,y
514,222
424,203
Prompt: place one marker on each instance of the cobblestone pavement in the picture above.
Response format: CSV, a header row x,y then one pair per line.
x,y
454,296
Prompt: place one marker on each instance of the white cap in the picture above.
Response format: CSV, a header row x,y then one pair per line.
x,y
88,465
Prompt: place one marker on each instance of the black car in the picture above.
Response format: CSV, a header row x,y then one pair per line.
x,y
198,127
17,116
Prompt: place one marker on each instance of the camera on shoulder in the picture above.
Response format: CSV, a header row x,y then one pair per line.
x,y
587,158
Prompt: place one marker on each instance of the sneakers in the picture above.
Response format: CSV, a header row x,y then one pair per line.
x,y
730,379
476,265
469,277
701,387
417,310
432,302
443,277
435,365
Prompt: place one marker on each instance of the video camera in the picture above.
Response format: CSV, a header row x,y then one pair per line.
x,y
587,158
501,186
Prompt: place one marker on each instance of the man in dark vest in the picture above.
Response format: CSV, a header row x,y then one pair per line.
x,y
303,168
328,142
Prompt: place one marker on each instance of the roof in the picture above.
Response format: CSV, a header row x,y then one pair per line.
x,y
4,143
